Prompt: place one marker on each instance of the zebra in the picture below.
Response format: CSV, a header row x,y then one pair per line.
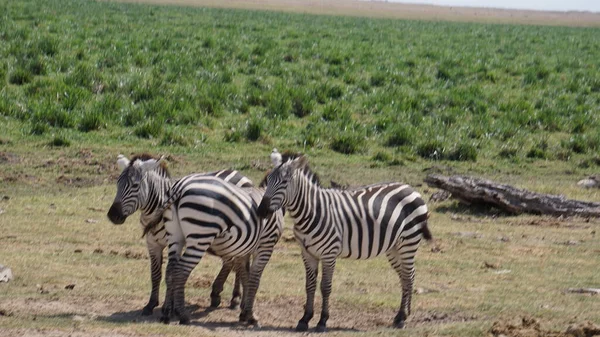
x,y
355,223
204,212
144,189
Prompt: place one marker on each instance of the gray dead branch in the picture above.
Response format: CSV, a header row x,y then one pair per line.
x,y
593,291
471,190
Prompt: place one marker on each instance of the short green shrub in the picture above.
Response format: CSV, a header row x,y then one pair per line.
x,y
577,144
149,129
38,127
91,121
347,143
254,128
20,76
52,114
508,151
378,79
336,112
171,138
59,141
399,135
431,149
382,157
302,103
463,152
279,104
233,135
48,46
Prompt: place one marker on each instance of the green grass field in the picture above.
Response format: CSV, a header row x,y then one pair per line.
x,y
367,99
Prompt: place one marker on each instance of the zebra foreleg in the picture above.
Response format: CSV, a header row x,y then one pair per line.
x,y
403,262
155,251
217,287
311,265
328,268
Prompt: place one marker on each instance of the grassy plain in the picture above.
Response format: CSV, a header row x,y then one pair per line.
x,y
368,99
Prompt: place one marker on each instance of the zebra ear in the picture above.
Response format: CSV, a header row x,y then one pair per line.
x,y
122,162
151,164
300,162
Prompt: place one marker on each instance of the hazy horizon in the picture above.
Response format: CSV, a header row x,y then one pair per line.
x,y
543,5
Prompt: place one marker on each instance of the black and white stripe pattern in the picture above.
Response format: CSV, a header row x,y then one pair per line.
x,y
357,223
207,212
143,185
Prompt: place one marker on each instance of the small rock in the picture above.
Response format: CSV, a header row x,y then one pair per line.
x,y
69,286
1,211
420,291
77,251
588,182
91,221
6,274
41,289
504,239
502,271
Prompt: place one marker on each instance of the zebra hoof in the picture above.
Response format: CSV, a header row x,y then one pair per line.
x,y
320,328
165,319
147,311
302,326
215,302
184,321
235,303
399,325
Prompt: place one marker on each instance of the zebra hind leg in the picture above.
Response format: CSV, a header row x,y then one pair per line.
x,y
236,295
402,260
311,266
217,287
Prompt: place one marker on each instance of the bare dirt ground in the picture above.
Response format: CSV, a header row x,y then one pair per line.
x,y
223,321
382,9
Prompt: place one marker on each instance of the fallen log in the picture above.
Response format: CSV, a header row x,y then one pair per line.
x,y
593,291
471,190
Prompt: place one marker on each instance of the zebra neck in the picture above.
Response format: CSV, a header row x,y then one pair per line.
x,y
304,195
154,191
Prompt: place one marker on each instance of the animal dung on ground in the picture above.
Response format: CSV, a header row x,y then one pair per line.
x,y
70,286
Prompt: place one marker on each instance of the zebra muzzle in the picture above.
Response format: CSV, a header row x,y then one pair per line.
x,y
115,214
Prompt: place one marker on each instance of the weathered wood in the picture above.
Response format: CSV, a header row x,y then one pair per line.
x,y
593,291
513,200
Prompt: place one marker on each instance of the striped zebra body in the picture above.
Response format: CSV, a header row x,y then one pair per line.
x,y
207,212
359,223
147,193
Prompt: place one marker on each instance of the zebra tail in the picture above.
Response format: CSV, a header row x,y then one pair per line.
x,y
426,232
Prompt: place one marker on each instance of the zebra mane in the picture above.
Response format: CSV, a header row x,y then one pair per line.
x,y
313,177
146,156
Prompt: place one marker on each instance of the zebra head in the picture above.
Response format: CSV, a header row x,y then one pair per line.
x,y
277,182
130,190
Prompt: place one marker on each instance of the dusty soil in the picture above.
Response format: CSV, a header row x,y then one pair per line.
x,y
529,327
223,321
398,11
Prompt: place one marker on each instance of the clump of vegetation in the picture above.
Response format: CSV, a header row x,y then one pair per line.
x,y
59,141
539,151
431,149
347,143
149,129
254,128
463,152
400,135
171,138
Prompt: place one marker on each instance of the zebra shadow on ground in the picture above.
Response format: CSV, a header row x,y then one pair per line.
x,y
226,318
